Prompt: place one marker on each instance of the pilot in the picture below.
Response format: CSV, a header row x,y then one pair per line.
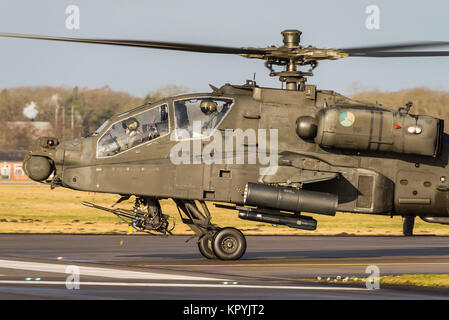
x,y
132,136
209,108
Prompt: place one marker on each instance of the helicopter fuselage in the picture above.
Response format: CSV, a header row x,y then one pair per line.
x,y
370,180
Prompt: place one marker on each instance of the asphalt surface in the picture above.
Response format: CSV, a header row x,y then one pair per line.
x,y
274,267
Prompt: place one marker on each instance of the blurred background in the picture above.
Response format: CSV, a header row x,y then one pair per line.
x,y
69,89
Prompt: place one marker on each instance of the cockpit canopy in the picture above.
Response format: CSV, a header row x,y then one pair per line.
x,y
194,118
133,131
198,117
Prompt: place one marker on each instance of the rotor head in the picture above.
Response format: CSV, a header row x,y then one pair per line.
x,y
291,38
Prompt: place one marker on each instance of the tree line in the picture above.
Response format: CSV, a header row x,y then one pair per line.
x,y
425,101
72,112
76,112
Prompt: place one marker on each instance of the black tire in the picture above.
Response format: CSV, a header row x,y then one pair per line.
x,y
229,244
205,246
408,223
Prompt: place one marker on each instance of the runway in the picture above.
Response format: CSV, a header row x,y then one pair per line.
x,y
274,267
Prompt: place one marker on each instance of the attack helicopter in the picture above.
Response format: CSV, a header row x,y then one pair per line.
x,y
326,152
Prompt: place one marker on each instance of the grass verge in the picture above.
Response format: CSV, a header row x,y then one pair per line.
x,y
37,209
417,280
412,280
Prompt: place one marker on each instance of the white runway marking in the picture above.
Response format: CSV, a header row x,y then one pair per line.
x,y
98,272
185,285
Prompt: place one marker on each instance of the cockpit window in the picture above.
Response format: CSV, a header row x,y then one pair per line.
x,y
198,117
100,128
133,131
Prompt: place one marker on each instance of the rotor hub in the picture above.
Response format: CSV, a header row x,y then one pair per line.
x,y
291,38
291,56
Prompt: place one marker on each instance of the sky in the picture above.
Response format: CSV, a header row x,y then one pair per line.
x,y
327,24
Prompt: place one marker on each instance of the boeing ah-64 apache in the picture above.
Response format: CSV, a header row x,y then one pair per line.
x,y
331,153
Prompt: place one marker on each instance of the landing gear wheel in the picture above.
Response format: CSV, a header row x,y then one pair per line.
x,y
407,226
205,246
229,244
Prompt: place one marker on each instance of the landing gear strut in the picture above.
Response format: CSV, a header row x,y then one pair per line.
x,y
408,223
214,242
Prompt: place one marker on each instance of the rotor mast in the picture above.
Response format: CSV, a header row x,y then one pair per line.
x,y
291,39
290,55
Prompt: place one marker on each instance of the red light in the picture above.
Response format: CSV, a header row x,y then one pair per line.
x,y
397,127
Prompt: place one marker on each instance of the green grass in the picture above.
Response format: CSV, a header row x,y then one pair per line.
x,y
60,211
417,280
413,280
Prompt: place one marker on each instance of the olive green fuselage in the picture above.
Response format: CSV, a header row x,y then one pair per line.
x,y
366,181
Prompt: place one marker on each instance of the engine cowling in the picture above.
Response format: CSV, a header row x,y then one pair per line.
x,y
374,129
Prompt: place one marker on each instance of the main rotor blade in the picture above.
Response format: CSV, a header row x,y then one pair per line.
x,y
413,45
385,54
146,44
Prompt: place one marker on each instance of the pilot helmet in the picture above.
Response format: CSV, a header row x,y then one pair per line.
x,y
208,107
132,124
